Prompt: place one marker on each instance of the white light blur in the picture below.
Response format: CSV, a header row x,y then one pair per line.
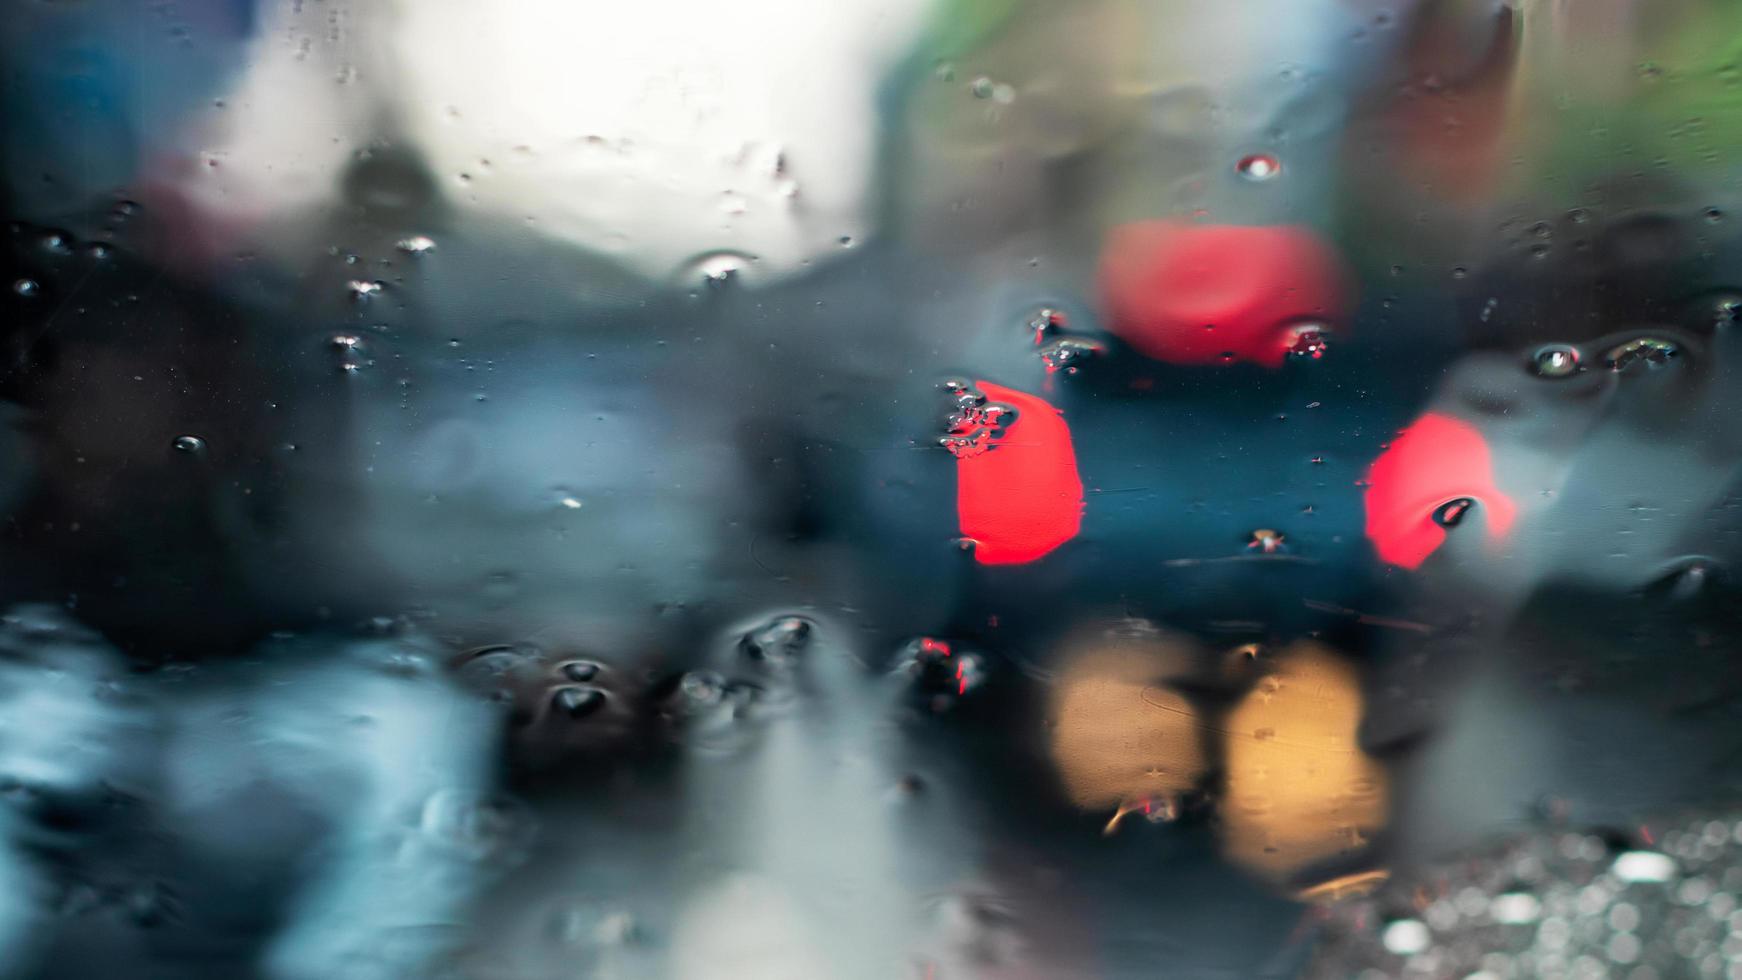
x,y
654,130
1643,866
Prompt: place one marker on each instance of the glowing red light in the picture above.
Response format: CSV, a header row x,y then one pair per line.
x,y
1022,498
1209,294
1436,460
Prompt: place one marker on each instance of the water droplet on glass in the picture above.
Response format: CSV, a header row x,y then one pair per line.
x,y
1066,353
25,287
415,244
350,352
580,671
1267,542
779,641
1258,166
1044,321
1713,215
1687,578
192,445
362,289
940,673
577,700
1651,351
1556,361
702,687
972,422
716,270
1308,340
1450,513
999,92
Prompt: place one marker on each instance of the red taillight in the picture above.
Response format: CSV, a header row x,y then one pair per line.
x,y
1022,498
1435,462
1207,294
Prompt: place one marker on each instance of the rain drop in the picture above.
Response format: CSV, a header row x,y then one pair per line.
x,y
361,289
1044,321
1651,351
1258,167
577,700
25,287
779,641
1451,513
191,445
580,671
702,687
350,352
1064,354
1267,542
716,270
939,672
1687,579
1726,309
1308,341
1556,361
999,92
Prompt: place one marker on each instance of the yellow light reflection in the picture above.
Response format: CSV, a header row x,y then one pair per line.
x,y
1299,788
1121,740
1348,886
